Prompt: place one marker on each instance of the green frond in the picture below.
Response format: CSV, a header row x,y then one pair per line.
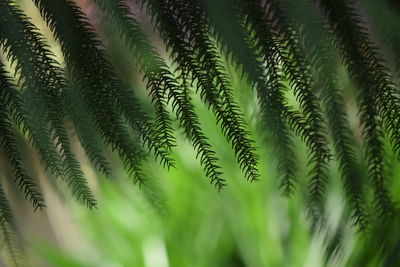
x,y
296,68
271,99
315,35
378,99
43,85
159,75
10,108
385,22
120,17
222,100
184,110
35,122
89,139
104,94
199,56
6,215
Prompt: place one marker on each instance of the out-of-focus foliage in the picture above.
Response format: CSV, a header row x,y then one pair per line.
x,y
179,220
185,222
300,96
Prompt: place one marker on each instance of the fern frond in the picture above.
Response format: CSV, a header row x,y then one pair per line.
x,y
379,101
9,146
200,57
11,104
43,83
6,215
229,112
269,46
35,122
184,110
315,36
296,68
104,94
272,102
89,139
131,108
160,75
299,29
385,21
122,19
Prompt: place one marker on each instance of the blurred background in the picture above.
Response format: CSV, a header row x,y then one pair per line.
x,y
177,218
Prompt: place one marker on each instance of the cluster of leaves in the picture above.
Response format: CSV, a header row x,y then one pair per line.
x,y
279,50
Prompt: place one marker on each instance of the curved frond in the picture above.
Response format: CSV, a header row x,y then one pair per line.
x,y
43,84
92,73
378,99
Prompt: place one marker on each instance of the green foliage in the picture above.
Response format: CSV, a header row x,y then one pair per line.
x,y
288,51
378,99
243,225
